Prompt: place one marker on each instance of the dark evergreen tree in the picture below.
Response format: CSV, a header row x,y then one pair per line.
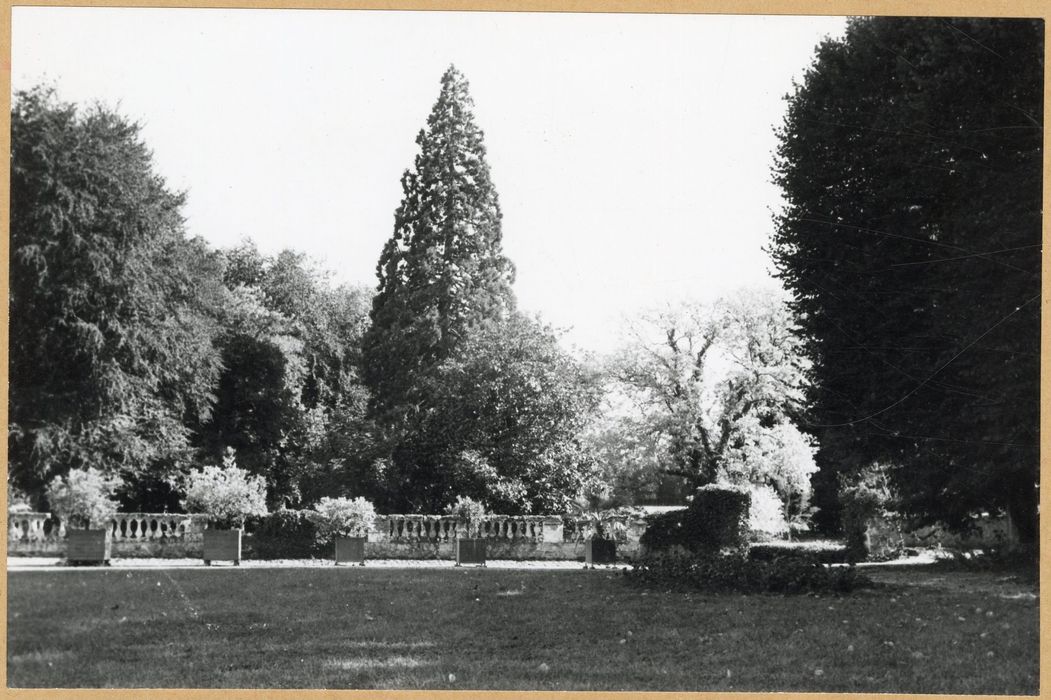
x,y
112,308
443,272
910,160
442,275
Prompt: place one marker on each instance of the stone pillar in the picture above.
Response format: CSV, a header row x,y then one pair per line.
x,y
635,528
380,529
552,530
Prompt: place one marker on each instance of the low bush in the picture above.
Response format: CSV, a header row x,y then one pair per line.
x,y
83,498
470,512
716,520
284,534
822,552
229,494
1022,562
734,573
342,517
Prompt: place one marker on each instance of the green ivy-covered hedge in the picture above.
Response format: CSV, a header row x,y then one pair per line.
x,y
716,520
285,534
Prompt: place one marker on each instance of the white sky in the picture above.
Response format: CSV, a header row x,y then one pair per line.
x,y
631,153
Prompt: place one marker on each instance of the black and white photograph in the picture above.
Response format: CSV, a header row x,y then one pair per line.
x,y
430,350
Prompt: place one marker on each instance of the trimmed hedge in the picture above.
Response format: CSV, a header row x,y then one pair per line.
x,y
823,552
716,520
738,574
285,534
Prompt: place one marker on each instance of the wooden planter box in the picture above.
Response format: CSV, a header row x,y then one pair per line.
x,y
350,550
222,545
470,551
88,547
598,551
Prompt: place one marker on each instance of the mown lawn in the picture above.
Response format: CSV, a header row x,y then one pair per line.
x,y
925,632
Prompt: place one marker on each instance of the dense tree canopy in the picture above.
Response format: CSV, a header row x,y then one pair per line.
x,y
517,403
143,353
910,161
719,388
288,397
112,308
469,398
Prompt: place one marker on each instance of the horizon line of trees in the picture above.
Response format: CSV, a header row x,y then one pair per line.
x,y
144,352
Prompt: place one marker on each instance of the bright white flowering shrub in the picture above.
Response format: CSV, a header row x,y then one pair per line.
x,y
83,497
767,514
342,517
228,493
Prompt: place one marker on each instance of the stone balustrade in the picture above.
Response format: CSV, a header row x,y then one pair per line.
x,y
151,527
33,528
446,528
132,534
414,528
393,536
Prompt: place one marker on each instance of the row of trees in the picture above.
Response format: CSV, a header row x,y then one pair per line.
x,y
910,161
143,352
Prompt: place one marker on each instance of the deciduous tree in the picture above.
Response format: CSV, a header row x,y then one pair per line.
x,y
720,387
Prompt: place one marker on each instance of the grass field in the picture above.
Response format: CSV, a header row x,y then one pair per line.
x,y
923,632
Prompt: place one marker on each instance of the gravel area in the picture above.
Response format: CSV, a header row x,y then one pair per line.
x,y
57,564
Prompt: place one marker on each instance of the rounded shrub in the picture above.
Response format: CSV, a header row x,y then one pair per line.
x,y
228,493
84,497
470,511
342,517
716,520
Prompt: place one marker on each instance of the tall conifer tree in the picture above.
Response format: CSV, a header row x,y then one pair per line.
x,y
442,273
442,277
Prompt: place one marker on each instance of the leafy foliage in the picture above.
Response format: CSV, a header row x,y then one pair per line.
x,y
735,573
631,463
342,517
766,512
510,405
228,493
719,387
112,309
470,511
84,497
289,399
911,161
864,495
